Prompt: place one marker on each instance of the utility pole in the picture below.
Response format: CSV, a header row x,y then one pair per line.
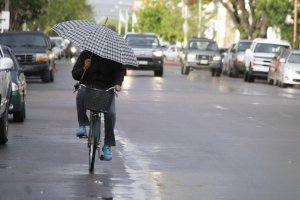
x,y
295,22
199,17
7,5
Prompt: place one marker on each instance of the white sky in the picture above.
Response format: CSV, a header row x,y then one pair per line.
x,y
108,8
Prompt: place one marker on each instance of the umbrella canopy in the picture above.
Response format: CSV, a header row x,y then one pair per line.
x,y
97,39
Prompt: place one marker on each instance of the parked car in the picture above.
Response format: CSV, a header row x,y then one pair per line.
x,y
259,56
6,64
289,69
236,58
18,97
147,49
33,52
201,53
274,70
171,53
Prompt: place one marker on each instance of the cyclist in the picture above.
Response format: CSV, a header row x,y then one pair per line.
x,y
101,73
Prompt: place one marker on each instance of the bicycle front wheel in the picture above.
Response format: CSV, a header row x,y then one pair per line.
x,y
93,140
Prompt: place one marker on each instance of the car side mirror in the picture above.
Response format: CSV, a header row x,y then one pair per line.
x,y
248,51
6,64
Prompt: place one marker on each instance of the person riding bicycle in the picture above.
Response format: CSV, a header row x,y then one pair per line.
x,y
93,70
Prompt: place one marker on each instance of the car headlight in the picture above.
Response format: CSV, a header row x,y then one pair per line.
x,y
51,55
158,53
216,58
191,57
41,57
240,58
73,49
14,87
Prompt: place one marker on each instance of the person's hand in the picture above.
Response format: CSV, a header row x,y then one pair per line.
x,y
87,63
118,88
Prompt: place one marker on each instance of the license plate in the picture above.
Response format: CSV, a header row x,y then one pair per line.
x,y
143,62
204,62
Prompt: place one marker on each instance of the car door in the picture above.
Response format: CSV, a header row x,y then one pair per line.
x,y
3,86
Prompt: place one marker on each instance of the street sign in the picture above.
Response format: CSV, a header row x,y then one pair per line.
x,y
4,20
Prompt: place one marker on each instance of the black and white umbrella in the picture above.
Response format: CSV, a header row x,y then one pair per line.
x,y
98,39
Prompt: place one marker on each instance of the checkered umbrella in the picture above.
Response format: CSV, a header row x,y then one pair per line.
x,y
97,39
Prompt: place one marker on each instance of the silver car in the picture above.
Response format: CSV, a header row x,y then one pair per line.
x,y
289,70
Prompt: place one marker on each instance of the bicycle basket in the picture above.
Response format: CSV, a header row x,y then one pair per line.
x,y
98,100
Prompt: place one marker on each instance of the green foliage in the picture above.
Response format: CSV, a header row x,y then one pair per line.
x,y
162,18
276,10
62,10
24,11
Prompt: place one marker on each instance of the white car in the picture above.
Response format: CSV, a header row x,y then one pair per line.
x,y
259,56
58,46
289,70
171,53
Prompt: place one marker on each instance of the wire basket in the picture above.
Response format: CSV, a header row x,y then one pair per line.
x,y
98,100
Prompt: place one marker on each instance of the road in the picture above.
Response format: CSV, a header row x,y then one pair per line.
x,y
178,137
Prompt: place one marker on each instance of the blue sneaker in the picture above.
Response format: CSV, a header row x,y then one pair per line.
x,y
107,153
81,132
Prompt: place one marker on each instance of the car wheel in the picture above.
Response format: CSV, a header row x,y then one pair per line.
x,y
51,75
20,116
250,78
270,81
283,85
213,72
234,72
158,73
186,70
45,76
246,76
4,127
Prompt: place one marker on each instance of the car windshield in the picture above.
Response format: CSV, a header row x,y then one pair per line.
x,y
294,58
268,48
243,46
142,41
203,45
23,41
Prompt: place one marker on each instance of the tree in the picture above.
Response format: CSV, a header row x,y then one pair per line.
x,y
24,11
253,17
61,10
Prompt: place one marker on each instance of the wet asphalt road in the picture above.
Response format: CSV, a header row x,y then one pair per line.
x,y
179,137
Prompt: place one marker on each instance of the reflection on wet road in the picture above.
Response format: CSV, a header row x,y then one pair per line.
x,y
179,137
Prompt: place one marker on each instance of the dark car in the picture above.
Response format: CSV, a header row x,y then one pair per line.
x,y
236,58
33,52
201,53
18,95
146,48
6,65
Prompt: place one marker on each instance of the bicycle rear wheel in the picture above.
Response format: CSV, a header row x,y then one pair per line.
x,y
93,140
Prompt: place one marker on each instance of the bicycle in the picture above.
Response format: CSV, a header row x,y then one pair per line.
x,y
98,102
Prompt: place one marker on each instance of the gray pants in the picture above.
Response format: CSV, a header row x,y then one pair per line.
x,y
109,118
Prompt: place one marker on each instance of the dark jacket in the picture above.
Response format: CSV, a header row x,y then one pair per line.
x,y
103,73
